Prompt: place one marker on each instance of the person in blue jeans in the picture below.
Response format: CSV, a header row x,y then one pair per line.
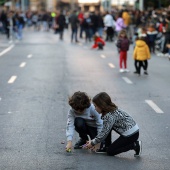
x,y
83,118
121,122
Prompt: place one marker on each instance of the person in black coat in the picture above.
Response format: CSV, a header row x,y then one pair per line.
x,y
60,22
74,25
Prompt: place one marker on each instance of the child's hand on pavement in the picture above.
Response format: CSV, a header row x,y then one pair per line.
x,y
69,145
88,145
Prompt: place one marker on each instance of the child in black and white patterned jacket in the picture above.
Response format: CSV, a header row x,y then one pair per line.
x,y
119,121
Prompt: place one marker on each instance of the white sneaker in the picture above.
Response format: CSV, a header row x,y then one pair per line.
x,y
126,70
121,70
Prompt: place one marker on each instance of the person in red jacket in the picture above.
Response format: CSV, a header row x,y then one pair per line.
x,y
98,42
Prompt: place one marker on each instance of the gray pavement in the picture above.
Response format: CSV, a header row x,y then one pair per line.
x,y
34,107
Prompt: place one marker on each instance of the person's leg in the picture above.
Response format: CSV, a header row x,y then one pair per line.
x,y
111,33
140,64
120,59
125,59
72,34
107,34
81,31
76,35
100,46
82,130
92,132
135,64
145,66
123,144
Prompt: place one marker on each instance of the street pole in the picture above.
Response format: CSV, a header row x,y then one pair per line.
x,y
141,5
23,5
109,3
72,5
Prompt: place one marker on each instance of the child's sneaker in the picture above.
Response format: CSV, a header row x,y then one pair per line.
x,y
121,70
138,148
79,144
126,70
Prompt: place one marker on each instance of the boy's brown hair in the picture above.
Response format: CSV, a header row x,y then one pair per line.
x,y
79,101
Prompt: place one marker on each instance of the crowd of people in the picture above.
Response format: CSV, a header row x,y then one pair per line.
x,y
150,26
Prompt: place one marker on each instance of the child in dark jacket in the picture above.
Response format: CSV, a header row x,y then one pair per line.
x,y
152,34
123,46
98,42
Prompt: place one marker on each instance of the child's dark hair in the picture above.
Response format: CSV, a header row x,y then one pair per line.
x,y
104,102
122,32
79,101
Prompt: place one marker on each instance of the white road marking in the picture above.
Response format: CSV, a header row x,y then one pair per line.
x,y
154,106
22,64
102,56
111,65
12,79
127,80
6,50
29,56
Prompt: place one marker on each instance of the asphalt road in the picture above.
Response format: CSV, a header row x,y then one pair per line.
x,y
38,74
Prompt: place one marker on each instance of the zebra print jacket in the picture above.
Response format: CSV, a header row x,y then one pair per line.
x,y
119,121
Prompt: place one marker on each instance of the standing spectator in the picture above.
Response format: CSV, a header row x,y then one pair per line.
x,y
81,19
126,19
60,22
119,23
10,25
19,20
74,26
86,26
141,55
123,46
109,24
100,23
94,23
45,18
152,33
34,20
142,36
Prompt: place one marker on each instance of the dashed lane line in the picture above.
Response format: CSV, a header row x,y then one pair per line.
x,y
154,106
127,80
111,65
102,56
12,79
22,64
29,56
6,50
